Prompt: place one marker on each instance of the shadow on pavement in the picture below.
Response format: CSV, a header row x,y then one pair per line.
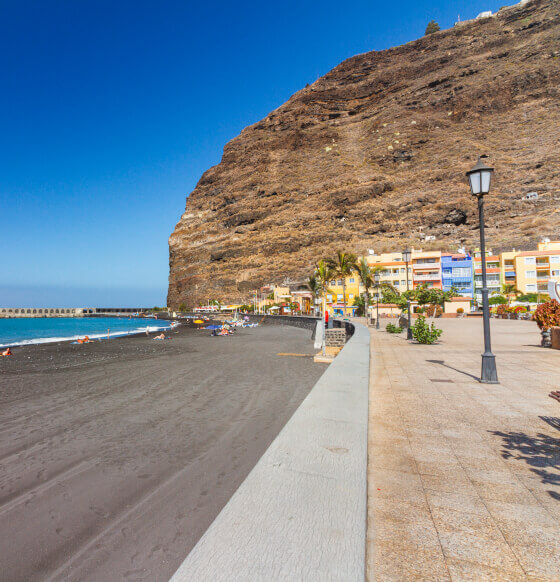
x,y
552,421
541,452
442,363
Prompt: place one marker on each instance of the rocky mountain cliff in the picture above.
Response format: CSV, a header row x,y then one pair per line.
x,y
373,156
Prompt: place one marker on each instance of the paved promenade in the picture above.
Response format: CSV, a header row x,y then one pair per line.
x,y
464,478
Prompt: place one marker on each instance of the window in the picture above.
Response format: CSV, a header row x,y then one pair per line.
x,y
555,273
339,282
351,296
555,259
462,272
396,283
333,282
339,297
329,298
532,287
530,274
351,280
403,282
530,260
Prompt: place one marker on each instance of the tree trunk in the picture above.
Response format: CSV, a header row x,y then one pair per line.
x,y
344,297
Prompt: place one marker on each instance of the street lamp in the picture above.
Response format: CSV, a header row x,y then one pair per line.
x,y
479,180
377,279
406,258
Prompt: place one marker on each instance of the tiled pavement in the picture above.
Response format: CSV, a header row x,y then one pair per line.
x,y
464,478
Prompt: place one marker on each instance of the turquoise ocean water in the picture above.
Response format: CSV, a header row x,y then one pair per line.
x,y
29,330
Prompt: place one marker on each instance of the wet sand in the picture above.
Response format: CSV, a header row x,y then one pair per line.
x,y
116,456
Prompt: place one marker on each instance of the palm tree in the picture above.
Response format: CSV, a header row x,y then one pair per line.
x,y
323,274
365,273
343,266
508,290
314,287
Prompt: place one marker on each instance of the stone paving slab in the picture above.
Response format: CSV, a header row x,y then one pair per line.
x,y
464,478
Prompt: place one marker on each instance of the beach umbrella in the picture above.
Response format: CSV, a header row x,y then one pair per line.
x,y
198,321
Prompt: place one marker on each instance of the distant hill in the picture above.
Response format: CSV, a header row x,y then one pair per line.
x,y
373,155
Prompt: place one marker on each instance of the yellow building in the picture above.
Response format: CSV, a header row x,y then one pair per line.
x,y
534,269
508,274
335,297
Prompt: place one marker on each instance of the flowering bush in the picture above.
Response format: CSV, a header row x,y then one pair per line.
x,y
519,309
432,309
501,310
547,315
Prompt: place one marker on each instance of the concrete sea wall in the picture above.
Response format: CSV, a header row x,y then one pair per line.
x,y
301,512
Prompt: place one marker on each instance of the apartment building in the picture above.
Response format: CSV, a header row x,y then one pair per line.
x,y
508,273
426,269
393,269
335,298
457,273
534,269
493,274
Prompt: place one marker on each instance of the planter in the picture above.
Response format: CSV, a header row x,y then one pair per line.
x,y
546,341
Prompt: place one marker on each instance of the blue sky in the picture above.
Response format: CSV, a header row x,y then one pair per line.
x,y
111,111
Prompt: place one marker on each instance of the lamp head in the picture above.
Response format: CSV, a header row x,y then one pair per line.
x,y
479,178
406,255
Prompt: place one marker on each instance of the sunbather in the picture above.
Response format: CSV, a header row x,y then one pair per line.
x,y
7,352
161,336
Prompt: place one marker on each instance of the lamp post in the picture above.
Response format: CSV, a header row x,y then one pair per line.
x,y
377,278
479,181
406,258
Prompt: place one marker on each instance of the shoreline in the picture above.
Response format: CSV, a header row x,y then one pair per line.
x,y
165,325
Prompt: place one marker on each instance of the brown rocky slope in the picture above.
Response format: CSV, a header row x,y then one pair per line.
x,y
373,156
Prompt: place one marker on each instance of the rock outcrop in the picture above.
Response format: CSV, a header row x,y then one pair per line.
x,y
373,156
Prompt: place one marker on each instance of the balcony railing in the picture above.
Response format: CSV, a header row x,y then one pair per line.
x,y
426,265
434,277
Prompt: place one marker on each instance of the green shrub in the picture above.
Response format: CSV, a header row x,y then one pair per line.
x,y
497,300
424,333
391,328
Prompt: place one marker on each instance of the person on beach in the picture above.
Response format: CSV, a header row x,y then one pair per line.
x,y
7,352
161,336
86,340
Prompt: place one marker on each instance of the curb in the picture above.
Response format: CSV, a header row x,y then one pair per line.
x,y
301,512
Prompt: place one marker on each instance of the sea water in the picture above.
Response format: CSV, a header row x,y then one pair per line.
x,y
41,330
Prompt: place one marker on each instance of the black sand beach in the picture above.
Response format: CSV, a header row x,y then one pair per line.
x,y
116,456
